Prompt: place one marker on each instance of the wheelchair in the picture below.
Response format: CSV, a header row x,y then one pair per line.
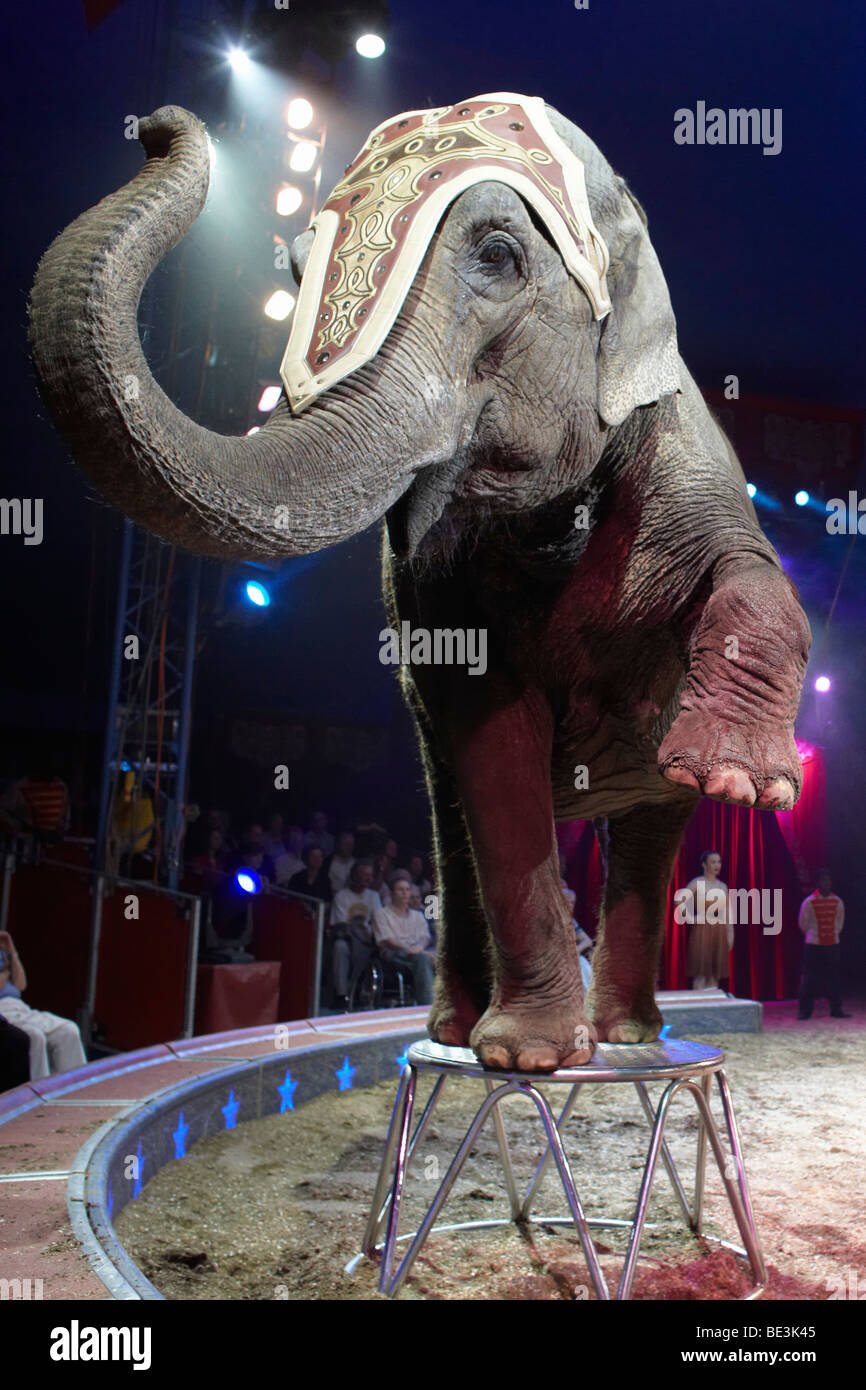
x,y
381,984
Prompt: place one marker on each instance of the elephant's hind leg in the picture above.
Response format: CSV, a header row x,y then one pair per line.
x,y
641,848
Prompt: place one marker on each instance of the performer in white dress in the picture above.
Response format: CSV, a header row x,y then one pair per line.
x,y
711,938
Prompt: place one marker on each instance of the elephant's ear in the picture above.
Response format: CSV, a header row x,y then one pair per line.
x,y
638,361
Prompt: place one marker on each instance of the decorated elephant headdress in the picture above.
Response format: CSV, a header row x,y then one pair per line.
x,y
375,228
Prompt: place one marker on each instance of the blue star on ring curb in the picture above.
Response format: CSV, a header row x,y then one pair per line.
x,y
286,1093
179,1137
403,1060
230,1110
345,1074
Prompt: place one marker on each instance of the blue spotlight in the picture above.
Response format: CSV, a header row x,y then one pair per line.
x,y
257,594
240,61
801,498
247,881
751,489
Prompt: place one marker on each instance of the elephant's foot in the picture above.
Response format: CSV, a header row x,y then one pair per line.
x,y
528,1034
622,1012
453,1014
751,765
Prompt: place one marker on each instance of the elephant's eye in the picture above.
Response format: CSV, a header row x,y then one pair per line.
x,y
498,254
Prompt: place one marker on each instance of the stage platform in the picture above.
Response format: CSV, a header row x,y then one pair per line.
x,y
690,1012
65,1141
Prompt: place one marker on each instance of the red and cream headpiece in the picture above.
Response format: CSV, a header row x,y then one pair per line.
x,y
375,228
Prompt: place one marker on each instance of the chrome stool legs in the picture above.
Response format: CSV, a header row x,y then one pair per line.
x,y
401,1144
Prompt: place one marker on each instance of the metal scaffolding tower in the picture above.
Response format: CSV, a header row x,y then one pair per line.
x,y
149,707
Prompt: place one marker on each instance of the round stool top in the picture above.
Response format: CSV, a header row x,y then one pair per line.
x,y
655,1061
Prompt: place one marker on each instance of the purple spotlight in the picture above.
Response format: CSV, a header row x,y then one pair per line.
x,y
822,684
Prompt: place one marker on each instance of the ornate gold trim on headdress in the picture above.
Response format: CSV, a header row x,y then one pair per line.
x,y
374,230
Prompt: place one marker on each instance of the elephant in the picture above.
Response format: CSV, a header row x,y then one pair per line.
x,y
544,470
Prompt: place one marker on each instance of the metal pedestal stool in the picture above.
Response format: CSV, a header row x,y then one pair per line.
x,y
685,1066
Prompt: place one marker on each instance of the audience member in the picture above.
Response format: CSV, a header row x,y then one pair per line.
x,y
339,865
55,1043
418,875
273,836
213,860
351,948
289,861
358,889
403,938
312,879
319,835
381,868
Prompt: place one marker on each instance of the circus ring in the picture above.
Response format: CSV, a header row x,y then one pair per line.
x,y
77,1150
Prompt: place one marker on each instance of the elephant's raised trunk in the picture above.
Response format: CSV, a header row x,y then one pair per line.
x,y
296,486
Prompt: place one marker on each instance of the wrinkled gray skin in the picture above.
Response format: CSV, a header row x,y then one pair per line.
x,y
496,406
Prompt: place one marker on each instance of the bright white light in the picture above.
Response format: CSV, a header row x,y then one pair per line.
x,y
289,199
239,60
270,396
801,498
300,113
370,46
255,429
258,594
751,489
212,155
822,684
247,881
303,156
280,305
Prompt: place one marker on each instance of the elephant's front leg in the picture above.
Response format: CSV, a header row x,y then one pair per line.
x,y
535,1020
734,736
639,849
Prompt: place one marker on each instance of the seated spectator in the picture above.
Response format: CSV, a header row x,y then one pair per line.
x,y
14,1056
358,889
288,861
419,904
418,875
319,835
381,872
312,879
213,861
273,836
254,834
403,937
339,865
351,948
252,856
55,1043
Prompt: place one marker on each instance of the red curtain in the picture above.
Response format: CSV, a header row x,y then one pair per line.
x,y
776,852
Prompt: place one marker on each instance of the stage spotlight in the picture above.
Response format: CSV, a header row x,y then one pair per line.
x,y
239,60
269,397
257,594
247,881
822,684
370,46
751,489
280,305
303,156
300,113
801,498
289,199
